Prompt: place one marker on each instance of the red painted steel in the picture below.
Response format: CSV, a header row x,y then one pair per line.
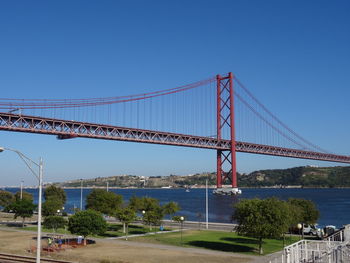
x,y
232,130
218,126
32,124
225,99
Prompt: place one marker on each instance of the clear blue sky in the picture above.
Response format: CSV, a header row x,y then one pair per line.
x,y
293,55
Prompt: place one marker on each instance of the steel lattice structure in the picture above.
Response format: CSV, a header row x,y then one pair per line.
x,y
225,118
71,129
225,146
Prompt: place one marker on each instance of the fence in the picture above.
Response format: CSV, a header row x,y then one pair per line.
x,y
334,249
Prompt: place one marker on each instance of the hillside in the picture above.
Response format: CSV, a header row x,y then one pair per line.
x,y
304,176
133,181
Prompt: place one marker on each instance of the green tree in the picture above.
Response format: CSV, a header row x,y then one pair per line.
x,y
135,203
88,222
306,210
171,208
51,206
296,214
23,208
153,211
150,208
268,218
6,199
309,212
126,215
153,217
25,195
144,203
105,202
54,222
55,193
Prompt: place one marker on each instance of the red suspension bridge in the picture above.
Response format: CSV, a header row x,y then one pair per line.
x,y
219,113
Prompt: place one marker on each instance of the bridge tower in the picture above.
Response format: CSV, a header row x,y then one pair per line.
x,y
226,121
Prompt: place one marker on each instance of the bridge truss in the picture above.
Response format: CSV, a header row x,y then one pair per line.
x,y
228,101
72,129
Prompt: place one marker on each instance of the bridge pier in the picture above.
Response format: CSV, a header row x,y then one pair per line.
x,y
225,120
227,191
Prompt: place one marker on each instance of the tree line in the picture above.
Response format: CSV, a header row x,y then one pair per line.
x,y
91,221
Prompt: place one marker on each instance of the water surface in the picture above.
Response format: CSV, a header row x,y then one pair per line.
x,y
334,204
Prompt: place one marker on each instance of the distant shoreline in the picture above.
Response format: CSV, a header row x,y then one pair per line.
x,y
309,177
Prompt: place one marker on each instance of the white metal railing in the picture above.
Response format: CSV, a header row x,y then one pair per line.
x,y
312,251
337,236
334,249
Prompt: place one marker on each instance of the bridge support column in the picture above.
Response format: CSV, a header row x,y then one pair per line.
x,y
226,124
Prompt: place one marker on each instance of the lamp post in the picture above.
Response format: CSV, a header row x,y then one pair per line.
x,y
29,162
206,204
81,194
143,218
299,226
21,190
181,221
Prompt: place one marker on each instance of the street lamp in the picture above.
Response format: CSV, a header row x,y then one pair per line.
x,y
299,226
29,162
206,205
181,221
81,194
21,190
147,219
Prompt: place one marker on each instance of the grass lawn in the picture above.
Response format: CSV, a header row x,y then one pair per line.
x,y
217,240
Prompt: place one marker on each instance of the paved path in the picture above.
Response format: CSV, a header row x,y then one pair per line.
x,y
146,234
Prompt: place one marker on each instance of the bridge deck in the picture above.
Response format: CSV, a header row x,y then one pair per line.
x,y
71,129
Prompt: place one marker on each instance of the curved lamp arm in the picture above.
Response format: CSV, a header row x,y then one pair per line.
x,y
25,159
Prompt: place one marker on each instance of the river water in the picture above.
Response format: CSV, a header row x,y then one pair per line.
x,y
334,204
